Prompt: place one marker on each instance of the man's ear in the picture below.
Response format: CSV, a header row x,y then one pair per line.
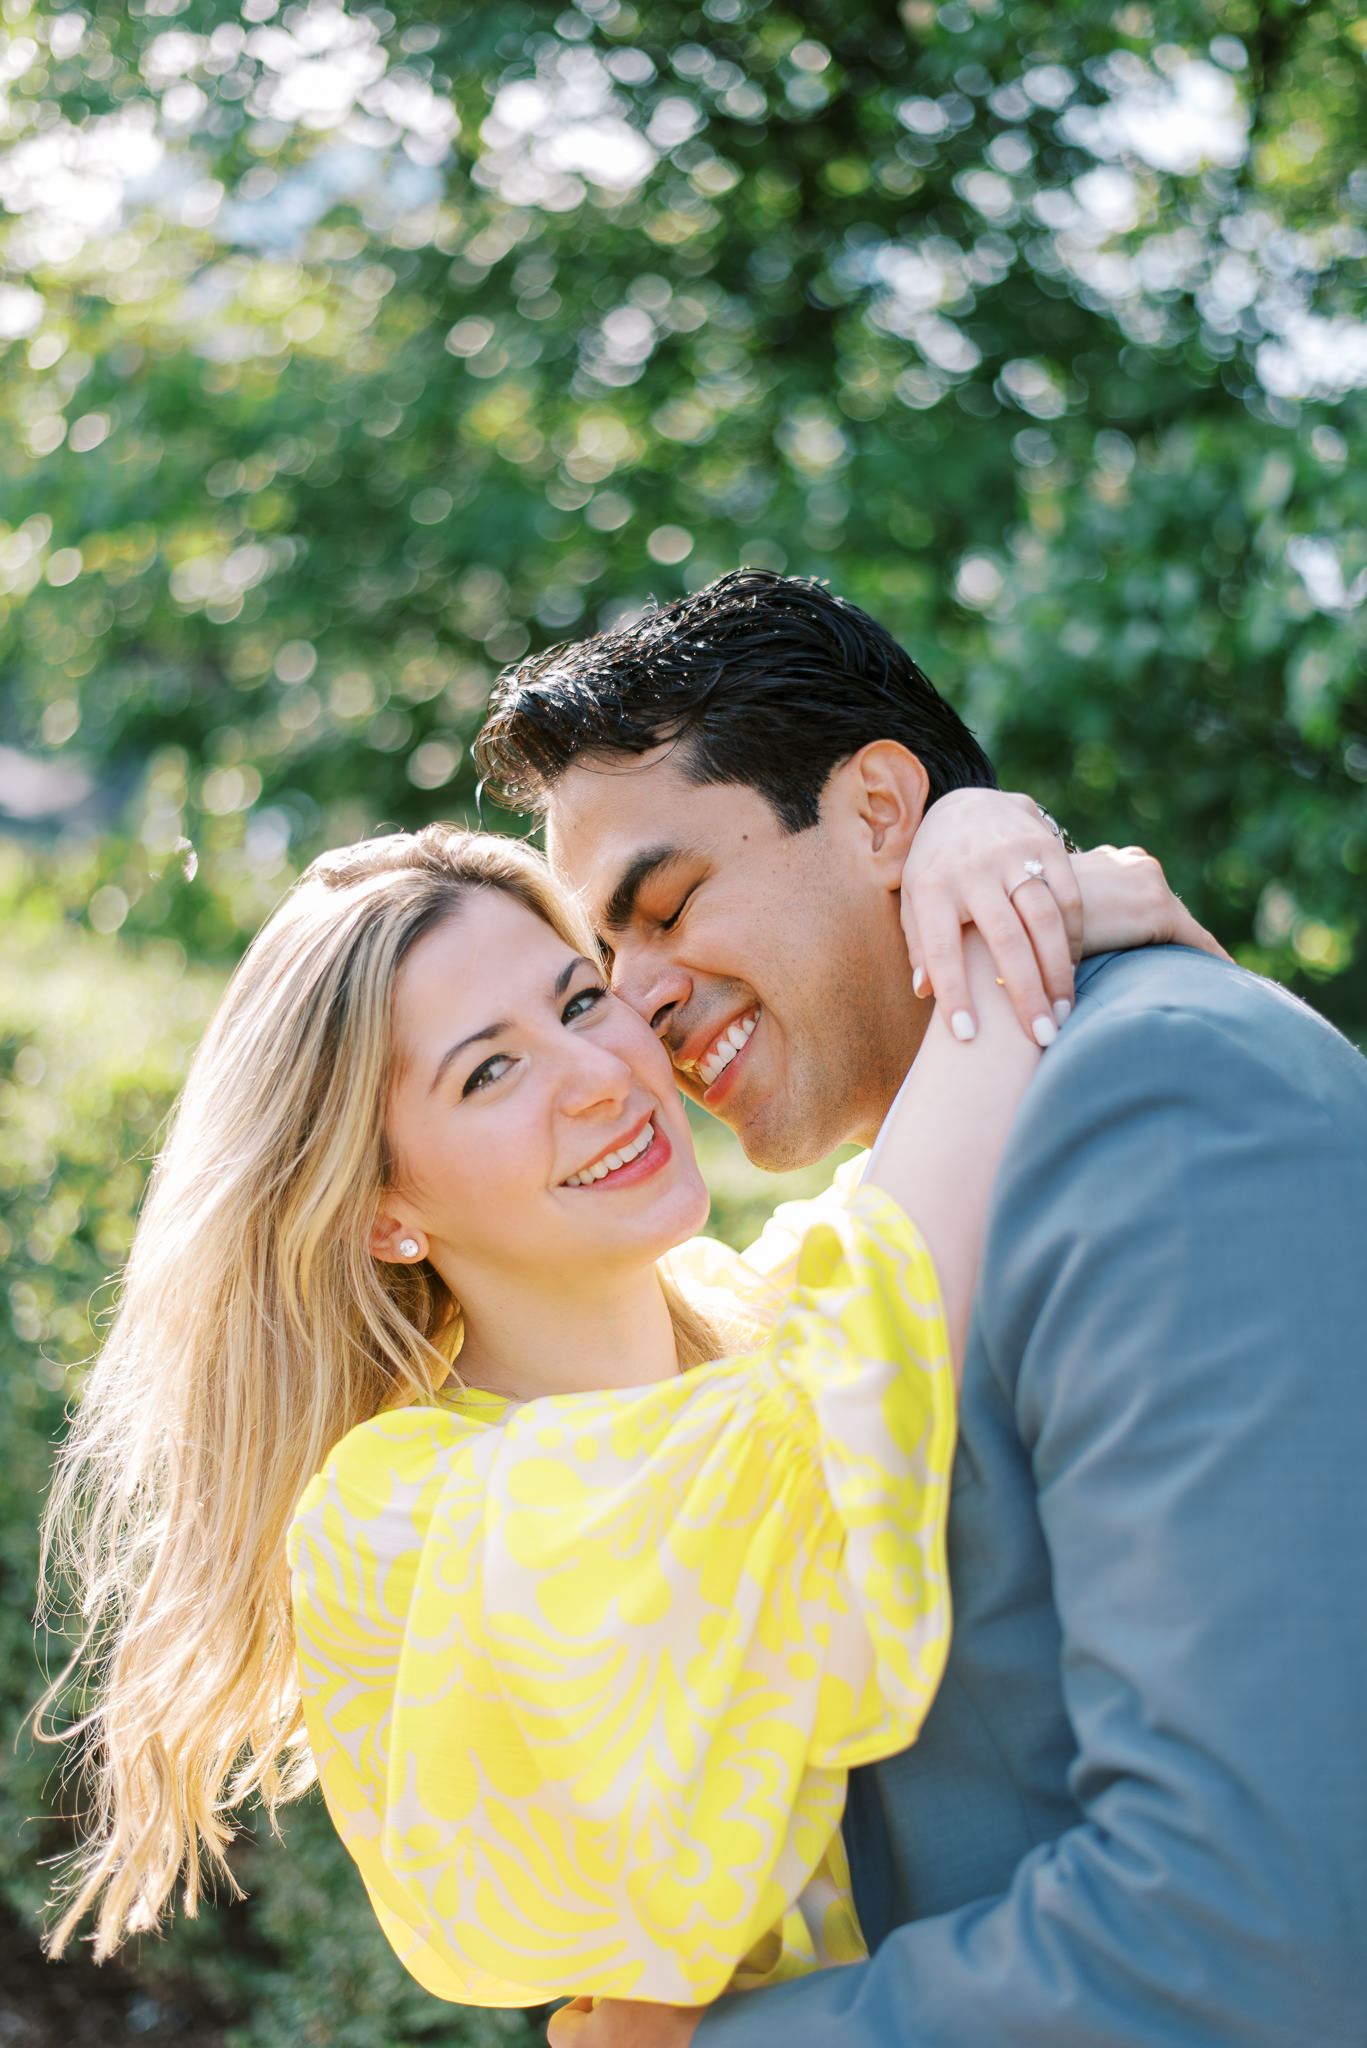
x,y
883,790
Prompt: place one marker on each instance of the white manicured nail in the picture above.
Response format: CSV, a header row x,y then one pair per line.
x,y
918,981
1063,1010
1045,1030
962,1025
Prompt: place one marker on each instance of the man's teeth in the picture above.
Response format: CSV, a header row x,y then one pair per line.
x,y
720,1055
612,1160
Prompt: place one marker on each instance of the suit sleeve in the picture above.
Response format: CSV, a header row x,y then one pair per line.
x,y
1174,1300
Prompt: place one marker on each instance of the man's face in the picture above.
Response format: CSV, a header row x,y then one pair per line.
x,y
771,964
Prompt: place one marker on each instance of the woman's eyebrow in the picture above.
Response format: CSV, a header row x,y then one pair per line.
x,y
475,1038
562,982
567,973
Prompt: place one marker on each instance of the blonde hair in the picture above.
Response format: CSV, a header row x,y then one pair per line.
x,y
255,1328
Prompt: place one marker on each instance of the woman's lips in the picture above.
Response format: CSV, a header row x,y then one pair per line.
x,y
654,1159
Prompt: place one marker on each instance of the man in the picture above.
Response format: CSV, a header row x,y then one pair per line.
x,y
1137,1814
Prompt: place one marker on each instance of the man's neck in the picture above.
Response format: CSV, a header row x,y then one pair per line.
x,y
885,1087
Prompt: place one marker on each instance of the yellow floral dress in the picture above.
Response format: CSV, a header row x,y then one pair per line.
x,y
584,1676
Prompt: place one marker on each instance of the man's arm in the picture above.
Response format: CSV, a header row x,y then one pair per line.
x,y
1176,1299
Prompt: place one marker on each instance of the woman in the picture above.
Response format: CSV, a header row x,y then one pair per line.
x,y
666,1610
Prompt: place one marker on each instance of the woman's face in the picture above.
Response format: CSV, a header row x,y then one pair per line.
x,y
519,1081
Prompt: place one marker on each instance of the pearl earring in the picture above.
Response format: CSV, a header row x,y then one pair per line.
x,y
409,1247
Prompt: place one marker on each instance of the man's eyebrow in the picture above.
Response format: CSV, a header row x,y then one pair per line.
x,y
562,982
620,907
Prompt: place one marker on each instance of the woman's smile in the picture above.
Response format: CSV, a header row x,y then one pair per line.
x,y
645,1152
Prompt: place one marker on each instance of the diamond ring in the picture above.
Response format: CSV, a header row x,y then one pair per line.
x,y
1034,872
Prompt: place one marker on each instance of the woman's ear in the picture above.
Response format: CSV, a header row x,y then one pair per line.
x,y
885,788
396,1242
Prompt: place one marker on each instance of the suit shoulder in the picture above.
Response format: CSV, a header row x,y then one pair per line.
x,y
1171,1005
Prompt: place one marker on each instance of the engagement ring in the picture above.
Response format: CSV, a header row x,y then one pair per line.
x,y
1034,872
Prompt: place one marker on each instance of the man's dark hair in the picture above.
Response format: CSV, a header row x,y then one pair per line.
x,y
770,681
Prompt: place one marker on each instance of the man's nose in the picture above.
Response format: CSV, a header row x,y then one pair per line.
x,y
655,988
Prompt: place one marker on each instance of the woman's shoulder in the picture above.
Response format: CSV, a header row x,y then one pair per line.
x,y
400,1440
382,1477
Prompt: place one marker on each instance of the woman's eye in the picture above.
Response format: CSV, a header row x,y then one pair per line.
x,y
488,1071
579,1005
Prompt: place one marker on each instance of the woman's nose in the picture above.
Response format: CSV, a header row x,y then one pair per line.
x,y
595,1077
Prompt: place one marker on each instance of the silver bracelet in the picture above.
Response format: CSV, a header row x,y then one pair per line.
x,y
1064,837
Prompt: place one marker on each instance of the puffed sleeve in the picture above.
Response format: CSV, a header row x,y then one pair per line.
x,y
626,1645
773,1254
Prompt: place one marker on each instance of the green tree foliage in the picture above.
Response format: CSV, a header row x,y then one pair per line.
x,y
356,351
352,351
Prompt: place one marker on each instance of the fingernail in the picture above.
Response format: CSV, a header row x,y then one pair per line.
x,y
962,1025
1063,1010
1045,1030
918,981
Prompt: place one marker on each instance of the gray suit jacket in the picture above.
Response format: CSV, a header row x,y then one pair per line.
x,y
1137,1815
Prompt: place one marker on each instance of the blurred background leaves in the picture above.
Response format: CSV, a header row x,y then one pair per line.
x,y
352,352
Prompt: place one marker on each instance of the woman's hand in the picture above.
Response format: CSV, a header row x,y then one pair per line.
x,y
622,2023
989,857
973,861
1126,902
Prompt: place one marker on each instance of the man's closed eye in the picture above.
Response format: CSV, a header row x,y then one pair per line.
x,y
667,924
